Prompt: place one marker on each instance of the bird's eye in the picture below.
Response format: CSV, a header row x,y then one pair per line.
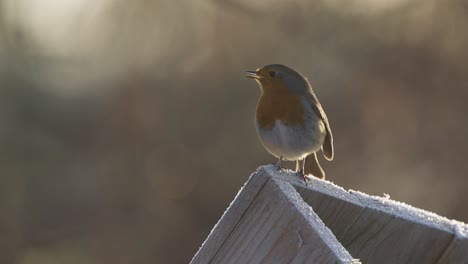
x,y
273,74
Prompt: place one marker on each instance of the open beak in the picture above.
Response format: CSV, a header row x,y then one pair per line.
x,y
252,74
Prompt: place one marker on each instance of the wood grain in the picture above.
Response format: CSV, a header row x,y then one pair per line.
x,y
276,218
276,227
378,231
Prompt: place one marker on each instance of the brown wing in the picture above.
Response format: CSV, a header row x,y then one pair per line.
x,y
327,147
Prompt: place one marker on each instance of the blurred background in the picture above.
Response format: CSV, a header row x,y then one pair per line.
x,y
126,127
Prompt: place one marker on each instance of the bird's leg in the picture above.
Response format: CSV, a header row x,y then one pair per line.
x,y
278,164
303,166
303,171
300,169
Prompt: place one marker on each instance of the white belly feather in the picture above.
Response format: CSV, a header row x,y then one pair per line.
x,y
294,142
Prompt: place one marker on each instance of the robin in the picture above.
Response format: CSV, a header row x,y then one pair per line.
x,y
289,120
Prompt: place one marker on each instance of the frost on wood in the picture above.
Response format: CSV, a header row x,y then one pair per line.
x,y
276,216
384,204
380,230
268,222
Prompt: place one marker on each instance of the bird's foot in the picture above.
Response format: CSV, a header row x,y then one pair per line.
x,y
278,164
305,177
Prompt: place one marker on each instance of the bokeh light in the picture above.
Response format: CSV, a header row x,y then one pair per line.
x,y
126,127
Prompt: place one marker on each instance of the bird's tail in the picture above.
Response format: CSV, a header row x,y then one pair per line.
x,y
312,166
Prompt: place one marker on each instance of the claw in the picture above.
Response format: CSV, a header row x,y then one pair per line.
x,y
278,164
306,179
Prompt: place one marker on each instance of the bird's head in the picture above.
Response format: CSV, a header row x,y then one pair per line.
x,y
277,78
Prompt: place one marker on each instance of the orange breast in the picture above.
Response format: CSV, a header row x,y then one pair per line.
x,y
279,105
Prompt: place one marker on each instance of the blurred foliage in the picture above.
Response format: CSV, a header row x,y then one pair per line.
x,y
126,127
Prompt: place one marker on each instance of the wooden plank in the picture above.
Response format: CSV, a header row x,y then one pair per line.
x,y
230,218
337,213
276,227
457,250
271,221
379,230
